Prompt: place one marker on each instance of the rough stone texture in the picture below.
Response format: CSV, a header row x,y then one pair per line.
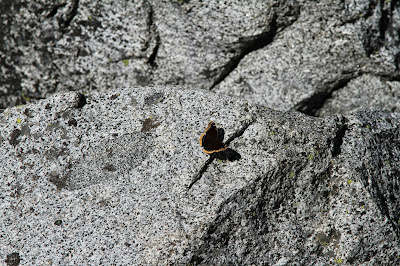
x,y
104,179
324,202
330,44
282,54
74,45
364,89
200,46
106,175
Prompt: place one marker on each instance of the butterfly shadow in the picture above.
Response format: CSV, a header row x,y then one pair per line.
x,y
212,143
228,154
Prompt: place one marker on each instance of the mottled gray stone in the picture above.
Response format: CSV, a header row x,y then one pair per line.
x,y
330,44
200,46
282,54
104,179
77,45
363,91
98,174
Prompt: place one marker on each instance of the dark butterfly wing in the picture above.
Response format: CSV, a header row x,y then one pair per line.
x,y
212,140
221,133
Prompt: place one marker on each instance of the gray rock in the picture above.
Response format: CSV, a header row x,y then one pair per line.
x,y
329,45
202,42
366,90
104,179
288,55
52,46
117,176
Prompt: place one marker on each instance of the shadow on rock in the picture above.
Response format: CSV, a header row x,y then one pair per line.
x,y
228,154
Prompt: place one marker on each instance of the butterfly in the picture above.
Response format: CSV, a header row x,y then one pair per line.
x,y
212,139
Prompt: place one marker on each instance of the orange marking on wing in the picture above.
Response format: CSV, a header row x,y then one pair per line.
x,y
222,149
205,132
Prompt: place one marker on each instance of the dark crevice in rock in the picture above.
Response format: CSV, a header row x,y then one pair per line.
x,y
150,17
240,132
82,101
397,62
315,102
247,47
64,24
383,21
153,55
338,139
391,76
376,34
213,155
202,170
386,19
154,34
53,12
